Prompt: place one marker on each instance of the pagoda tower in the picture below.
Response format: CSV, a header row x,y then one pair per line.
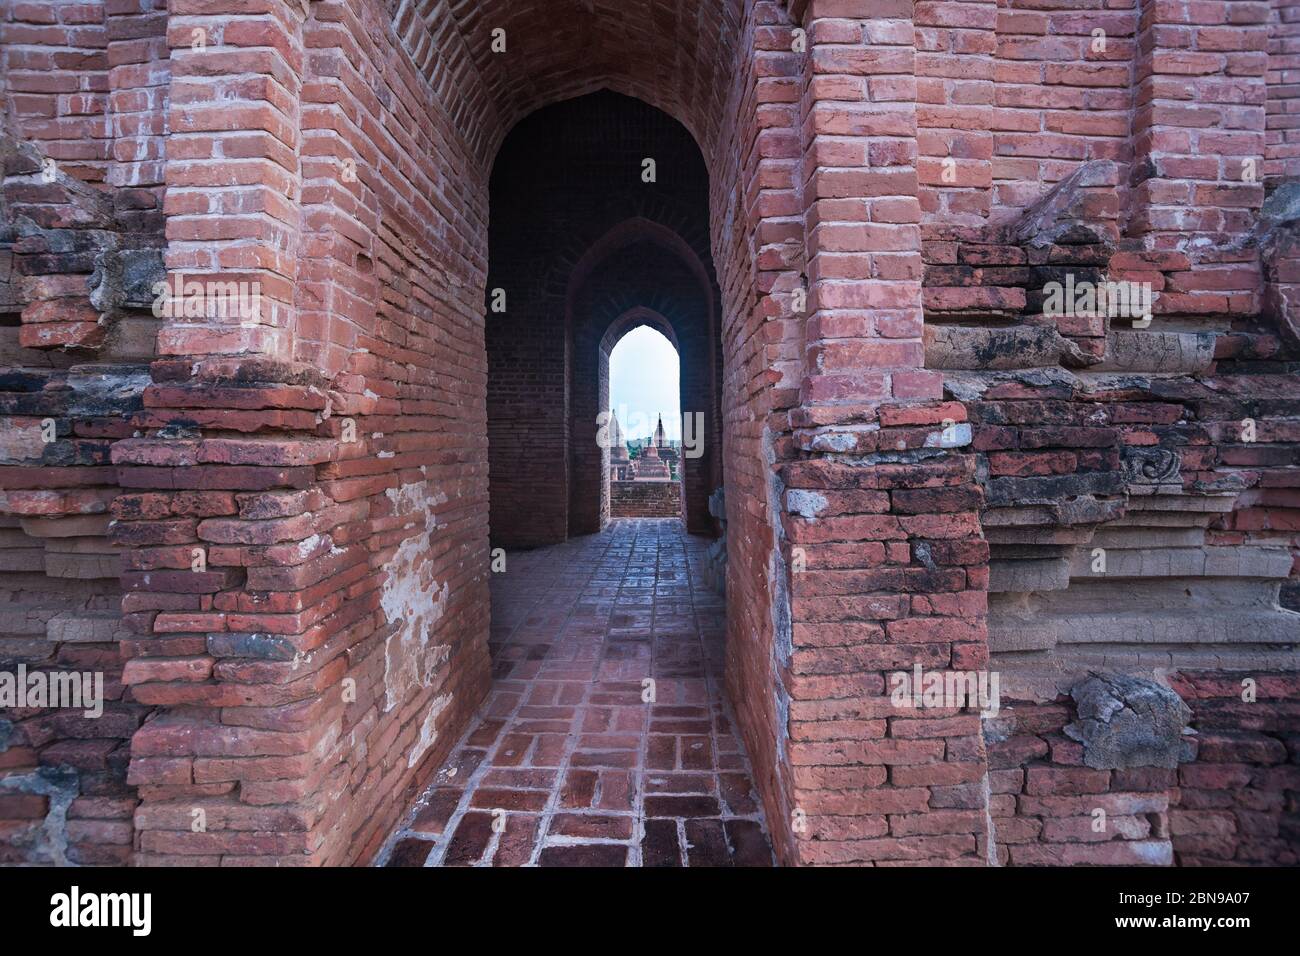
x,y
650,467
620,463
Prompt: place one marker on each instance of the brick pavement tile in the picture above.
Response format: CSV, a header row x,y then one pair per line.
x,y
750,846
698,783
471,838
409,852
460,767
738,794
615,791
517,840
584,854
697,753
659,846
625,759
550,750
579,788
485,734
567,746
592,826
523,778
499,798
661,753
441,805
660,806
706,843
512,750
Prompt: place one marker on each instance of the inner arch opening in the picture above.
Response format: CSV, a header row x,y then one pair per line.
x,y
643,464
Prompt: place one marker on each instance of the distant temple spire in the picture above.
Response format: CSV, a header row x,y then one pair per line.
x,y
620,463
659,431
616,444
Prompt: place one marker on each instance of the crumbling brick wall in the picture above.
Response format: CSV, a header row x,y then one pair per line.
x,y
1133,518
1238,801
76,335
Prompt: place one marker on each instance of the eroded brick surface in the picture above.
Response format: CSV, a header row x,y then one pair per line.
x,y
578,769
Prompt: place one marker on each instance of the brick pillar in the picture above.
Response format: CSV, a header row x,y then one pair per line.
x,y
883,556
955,42
1283,90
1198,168
139,76
232,168
233,554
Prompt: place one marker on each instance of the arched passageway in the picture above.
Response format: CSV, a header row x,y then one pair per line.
x,y
376,447
599,209
606,737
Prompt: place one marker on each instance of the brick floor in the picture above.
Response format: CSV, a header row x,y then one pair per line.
x,y
566,765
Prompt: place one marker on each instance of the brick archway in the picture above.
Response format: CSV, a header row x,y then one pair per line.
x,y
572,254
634,318
683,311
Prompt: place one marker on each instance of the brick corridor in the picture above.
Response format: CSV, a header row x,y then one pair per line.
x,y
564,752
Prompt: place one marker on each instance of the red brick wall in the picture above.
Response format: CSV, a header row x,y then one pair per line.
x,y
339,641
645,499
1282,150
1044,802
758,197
55,64
1239,801
64,795
87,82
1232,801
1063,94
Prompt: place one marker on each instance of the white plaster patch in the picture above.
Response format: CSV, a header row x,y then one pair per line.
x,y
412,598
807,504
427,734
954,436
834,442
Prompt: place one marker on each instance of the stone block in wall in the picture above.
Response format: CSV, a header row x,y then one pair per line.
x,y
1125,721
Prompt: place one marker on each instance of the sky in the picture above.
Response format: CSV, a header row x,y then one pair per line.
x,y
643,375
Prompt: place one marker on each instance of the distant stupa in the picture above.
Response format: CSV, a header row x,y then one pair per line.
x,y
649,467
620,462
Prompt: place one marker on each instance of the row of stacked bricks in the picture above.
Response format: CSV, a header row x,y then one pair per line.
x,y
886,565
228,577
1048,809
1231,800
